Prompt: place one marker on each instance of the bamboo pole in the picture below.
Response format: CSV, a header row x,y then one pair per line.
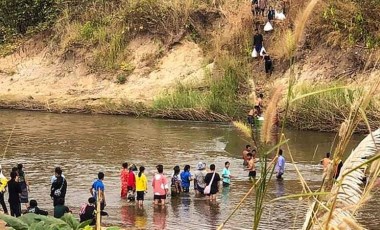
x,y
98,222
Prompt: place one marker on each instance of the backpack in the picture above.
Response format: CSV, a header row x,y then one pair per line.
x,y
58,192
176,185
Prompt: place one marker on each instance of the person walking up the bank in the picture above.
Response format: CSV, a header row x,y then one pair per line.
x,y
58,188
14,189
258,41
3,185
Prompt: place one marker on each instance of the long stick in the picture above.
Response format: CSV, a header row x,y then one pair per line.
x,y
9,140
98,227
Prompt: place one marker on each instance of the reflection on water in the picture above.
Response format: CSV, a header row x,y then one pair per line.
x,y
83,145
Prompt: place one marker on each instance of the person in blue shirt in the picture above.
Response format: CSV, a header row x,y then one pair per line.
x,y
98,186
186,178
226,175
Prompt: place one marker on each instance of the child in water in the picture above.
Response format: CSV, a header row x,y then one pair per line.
x,y
141,185
176,182
186,178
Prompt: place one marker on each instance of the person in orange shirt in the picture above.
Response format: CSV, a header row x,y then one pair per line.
x,y
124,175
325,162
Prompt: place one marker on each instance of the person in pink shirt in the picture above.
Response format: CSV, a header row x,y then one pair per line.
x,y
160,186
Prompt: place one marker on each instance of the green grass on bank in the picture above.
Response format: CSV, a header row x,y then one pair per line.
x,y
220,96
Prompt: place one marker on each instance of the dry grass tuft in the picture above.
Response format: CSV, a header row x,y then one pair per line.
x,y
271,115
245,129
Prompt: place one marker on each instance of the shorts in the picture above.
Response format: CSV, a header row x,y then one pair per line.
x,y
159,197
252,174
140,195
185,189
200,189
226,184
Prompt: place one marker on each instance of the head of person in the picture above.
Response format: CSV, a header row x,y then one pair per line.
x,y
212,167
19,167
327,155
13,175
262,95
186,168
125,165
249,156
227,164
176,170
33,203
280,152
58,171
248,147
270,8
60,201
160,168
91,200
201,166
14,169
141,170
101,176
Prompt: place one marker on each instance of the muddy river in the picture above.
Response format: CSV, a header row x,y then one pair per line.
x,y
83,145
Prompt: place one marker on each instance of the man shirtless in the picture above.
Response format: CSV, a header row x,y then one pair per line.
x,y
325,162
251,166
246,151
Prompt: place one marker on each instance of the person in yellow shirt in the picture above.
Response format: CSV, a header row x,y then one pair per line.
x,y
3,185
141,185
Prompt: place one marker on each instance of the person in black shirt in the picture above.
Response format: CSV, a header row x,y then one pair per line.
x,y
58,188
14,190
258,41
34,209
271,14
87,212
212,178
268,64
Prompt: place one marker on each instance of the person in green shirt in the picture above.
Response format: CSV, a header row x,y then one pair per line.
x,y
226,175
60,209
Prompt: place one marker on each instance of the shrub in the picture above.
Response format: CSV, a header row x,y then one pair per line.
x,y
121,79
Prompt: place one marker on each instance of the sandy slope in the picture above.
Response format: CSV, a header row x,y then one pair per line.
x,y
33,74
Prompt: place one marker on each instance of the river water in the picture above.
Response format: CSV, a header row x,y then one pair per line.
x,y
86,144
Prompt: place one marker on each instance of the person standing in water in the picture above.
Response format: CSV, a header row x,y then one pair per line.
x,y
325,162
186,178
14,189
280,165
58,188
247,150
97,191
24,185
124,175
176,182
131,183
226,174
3,185
251,167
199,178
160,186
141,186
212,178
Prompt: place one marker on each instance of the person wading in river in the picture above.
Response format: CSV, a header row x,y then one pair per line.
x,y
212,179
251,167
325,162
24,185
160,186
58,188
186,178
3,185
14,190
124,174
141,186
226,174
280,165
97,190
247,150
199,178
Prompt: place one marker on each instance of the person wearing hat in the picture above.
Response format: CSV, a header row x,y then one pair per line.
x,y
3,185
199,178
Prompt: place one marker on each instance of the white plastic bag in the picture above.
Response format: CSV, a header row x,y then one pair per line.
x,y
254,53
268,27
262,51
279,15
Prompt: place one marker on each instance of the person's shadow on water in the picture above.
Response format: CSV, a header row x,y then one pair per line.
x,y
159,217
280,188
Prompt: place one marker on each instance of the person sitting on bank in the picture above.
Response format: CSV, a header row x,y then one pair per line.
x,y
34,209
60,209
87,211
